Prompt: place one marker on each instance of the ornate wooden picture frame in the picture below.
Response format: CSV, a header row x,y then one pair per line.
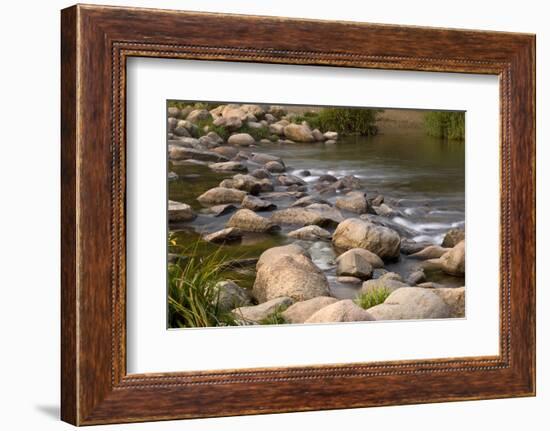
x,y
96,42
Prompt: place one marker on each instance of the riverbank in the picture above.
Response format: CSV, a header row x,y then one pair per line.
x,y
332,237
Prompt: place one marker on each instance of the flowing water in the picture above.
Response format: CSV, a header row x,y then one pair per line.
x,y
422,178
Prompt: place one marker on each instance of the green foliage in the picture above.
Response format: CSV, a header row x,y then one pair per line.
x,y
371,298
192,295
448,125
221,131
345,121
195,105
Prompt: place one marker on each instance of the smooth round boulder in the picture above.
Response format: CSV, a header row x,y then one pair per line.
x,y
221,195
292,275
354,202
299,312
357,233
453,237
180,212
341,311
299,133
241,140
310,233
254,314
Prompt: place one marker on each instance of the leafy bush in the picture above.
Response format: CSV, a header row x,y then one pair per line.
x,y
192,294
371,298
448,125
345,121
257,134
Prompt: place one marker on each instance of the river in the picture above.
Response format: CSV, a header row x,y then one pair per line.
x,y
421,177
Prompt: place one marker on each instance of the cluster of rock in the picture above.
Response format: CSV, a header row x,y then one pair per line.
x,y
288,282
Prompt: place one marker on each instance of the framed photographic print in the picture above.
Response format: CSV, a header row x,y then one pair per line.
x,y
340,216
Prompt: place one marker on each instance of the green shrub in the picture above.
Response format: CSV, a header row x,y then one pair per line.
x,y
192,295
345,121
371,298
257,134
447,125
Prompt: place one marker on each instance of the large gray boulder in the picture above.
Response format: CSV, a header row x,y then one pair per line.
x,y
341,311
357,233
353,201
292,275
241,140
301,311
299,133
180,212
221,195
248,221
357,262
411,303
254,314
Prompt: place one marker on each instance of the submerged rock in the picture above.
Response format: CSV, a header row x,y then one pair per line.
x,y
341,311
219,210
256,204
357,233
230,166
227,234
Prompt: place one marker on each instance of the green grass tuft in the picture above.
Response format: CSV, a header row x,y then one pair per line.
x,y
275,318
372,298
345,121
447,125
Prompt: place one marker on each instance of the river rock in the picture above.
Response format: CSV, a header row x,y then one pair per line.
x,y
409,246
241,140
234,110
181,153
260,173
270,118
277,129
180,212
192,128
308,200
430,252
452,262
354,202
411,303
187,142
317,135
453,237
353,264
348,280
299,133
248,183
290,180
416,277
263,158
172,176
330,142
199,115
331,135
363,254
274,167
357,233
226,151
327,178
230,166
181,131
247,220
223,235
172,122
219,210
230,295
256,313
213,136
342,311
173,111
454,297
273,253
389,281
293,275
377,200
310,233
301,311
385,210
310,215
256,204
221,195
